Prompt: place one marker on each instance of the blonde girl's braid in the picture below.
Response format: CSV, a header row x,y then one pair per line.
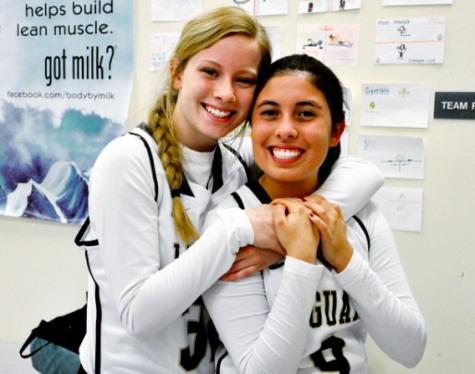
x,y
170,153
199,33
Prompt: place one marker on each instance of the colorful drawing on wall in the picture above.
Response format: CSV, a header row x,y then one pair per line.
x,y
66,73
334,45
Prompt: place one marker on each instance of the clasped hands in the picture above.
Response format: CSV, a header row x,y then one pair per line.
x,y
306,229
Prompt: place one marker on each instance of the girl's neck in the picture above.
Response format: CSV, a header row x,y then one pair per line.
x,y
190,138
278,189
199,147
197,166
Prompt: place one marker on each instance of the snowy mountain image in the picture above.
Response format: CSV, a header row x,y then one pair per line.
x,y
62,196
45,161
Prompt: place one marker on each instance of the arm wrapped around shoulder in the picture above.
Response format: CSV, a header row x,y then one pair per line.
x,y
351,184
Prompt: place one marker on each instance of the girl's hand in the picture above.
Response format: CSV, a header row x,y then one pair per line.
x,y
262,221
336,249
250,260
295,230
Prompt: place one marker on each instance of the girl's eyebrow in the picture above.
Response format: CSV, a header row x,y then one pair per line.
x,y
211,62
267,102
219,65
309,103
300,103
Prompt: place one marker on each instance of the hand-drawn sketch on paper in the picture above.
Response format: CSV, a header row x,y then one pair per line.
x,y
395,105
395,156
410,41
161,48
333,44
402,207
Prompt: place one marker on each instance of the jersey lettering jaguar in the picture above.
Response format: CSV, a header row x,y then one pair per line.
x,y
326,306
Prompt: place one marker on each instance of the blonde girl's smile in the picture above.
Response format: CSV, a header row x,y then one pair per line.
x,y
219,114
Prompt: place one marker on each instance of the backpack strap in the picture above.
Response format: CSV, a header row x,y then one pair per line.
x,y
28,341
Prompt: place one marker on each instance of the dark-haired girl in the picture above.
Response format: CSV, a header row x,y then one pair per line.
x,y
339,281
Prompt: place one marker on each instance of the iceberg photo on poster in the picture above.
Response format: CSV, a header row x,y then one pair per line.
x,y
66,73
44,169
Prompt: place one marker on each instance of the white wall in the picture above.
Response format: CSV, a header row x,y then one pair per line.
x,y
43,275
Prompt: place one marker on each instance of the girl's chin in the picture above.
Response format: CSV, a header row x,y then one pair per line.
x,y
219,131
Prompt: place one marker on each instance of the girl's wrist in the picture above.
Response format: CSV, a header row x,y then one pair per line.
x,y
342,261
311,258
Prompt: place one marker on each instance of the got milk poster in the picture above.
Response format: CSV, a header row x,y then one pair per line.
x,y
66,71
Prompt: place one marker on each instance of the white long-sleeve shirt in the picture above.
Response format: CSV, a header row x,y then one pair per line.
x,y
264,328
145,314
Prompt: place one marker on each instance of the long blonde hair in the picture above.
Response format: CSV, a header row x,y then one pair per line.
x,y
199,33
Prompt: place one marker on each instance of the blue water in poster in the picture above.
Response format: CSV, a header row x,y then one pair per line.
x,y
66,71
